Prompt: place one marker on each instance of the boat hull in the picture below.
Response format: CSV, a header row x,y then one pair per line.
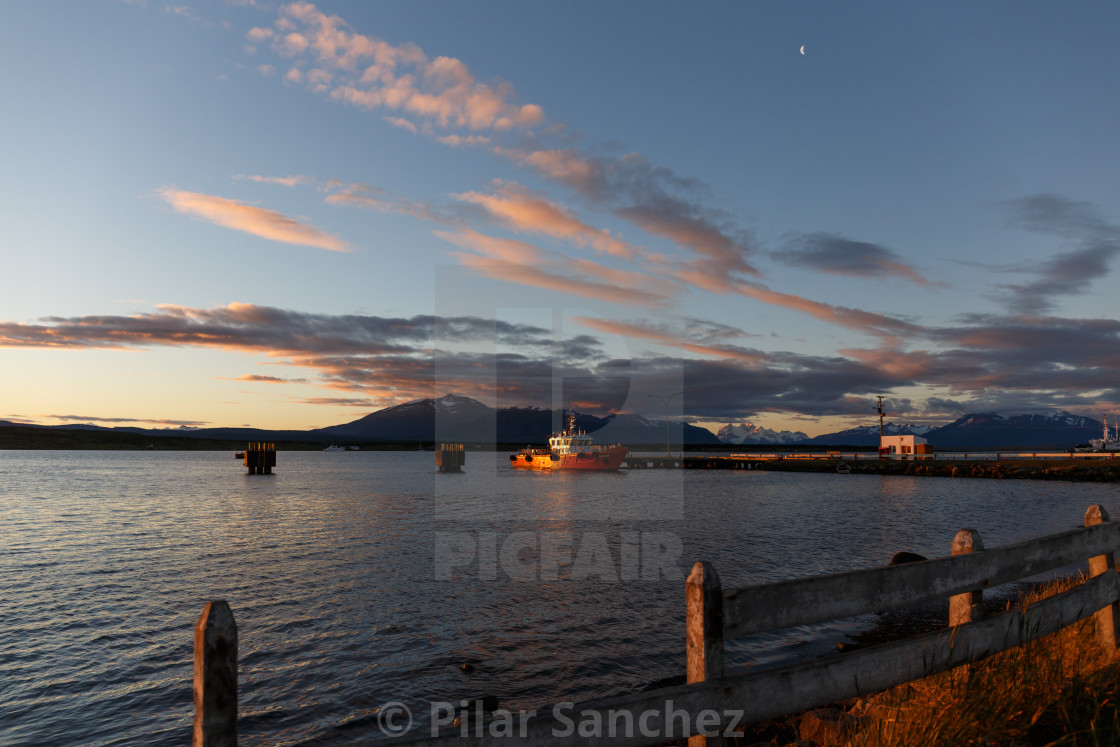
x,y
601,460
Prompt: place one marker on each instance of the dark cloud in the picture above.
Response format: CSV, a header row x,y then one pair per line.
x,y
361,402
981,362
1050,213
1068,273
258,378
837,255
706,332
657,200
152,421
262,328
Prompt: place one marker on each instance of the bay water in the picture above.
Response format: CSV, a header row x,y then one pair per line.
x,y
363,578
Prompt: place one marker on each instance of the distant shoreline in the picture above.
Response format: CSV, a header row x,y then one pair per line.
x,y
1007,469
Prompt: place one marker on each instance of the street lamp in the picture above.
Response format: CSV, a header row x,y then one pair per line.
x,y
668,451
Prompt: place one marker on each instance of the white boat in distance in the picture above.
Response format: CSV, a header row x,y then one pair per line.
x,y
1105,443
332,447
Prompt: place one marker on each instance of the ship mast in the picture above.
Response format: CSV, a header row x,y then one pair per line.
x,y
880,418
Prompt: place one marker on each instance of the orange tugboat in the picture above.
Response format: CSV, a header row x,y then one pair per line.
x,y
570,449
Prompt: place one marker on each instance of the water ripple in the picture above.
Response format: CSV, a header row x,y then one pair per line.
x,y
330,566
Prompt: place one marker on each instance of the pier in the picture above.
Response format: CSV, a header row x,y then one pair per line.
x,y
260,458
653,462
1038,465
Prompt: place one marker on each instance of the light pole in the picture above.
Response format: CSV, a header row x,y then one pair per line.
x,y
668,451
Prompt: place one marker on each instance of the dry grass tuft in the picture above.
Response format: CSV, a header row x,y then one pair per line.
x,y
1060,690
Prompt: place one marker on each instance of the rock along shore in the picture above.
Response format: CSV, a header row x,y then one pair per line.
x,y
1048,469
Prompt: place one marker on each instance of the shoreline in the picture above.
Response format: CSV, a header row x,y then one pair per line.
x,y
1050,469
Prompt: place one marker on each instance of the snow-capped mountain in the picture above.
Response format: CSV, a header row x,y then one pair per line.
x,y
746,433
989,430
985,431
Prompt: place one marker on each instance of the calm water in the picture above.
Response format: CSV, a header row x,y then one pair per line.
x,y
362,578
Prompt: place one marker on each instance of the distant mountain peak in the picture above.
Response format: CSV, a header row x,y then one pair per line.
x,y
748,433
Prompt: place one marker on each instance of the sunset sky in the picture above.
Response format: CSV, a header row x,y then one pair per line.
x,y
290,215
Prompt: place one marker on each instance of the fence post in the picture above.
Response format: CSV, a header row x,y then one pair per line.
x,y
704,633
966,607
215,677
1107,618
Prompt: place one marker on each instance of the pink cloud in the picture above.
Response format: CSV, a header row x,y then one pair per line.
x,y
645,331
523,263
568,166
266,224
258,35
458,140
864,321
372,74
284,181
404,124
524,212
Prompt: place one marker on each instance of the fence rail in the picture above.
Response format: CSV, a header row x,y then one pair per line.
x,y
712,703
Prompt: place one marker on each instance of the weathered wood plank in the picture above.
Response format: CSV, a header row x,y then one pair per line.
x,y
784,604
969,606
215,677
773,692
1107,618
703,633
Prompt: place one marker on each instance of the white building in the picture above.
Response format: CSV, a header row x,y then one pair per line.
x,y
902,447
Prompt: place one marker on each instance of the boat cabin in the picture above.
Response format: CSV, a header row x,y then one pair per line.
x,y
570,443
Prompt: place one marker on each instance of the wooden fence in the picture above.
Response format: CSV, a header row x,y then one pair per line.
x,y
712,702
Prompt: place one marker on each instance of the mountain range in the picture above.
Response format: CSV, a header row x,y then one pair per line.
x,y
457,418
974,432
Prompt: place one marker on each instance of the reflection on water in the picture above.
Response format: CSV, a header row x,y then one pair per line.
x,y
333,569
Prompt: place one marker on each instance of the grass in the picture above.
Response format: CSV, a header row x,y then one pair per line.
x,y
1063,689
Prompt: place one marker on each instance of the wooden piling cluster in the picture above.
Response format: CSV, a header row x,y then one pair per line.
x,y
450,457
260,458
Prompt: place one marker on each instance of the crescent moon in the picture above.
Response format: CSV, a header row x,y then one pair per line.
x,y
802,49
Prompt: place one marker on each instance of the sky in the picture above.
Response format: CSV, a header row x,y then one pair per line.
x,y
289,215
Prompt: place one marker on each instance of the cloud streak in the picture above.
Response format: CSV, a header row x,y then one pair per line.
x,y
258,378
837,255
1069,273
285,181
521,262
260,222
1047,361
153,421
516,208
